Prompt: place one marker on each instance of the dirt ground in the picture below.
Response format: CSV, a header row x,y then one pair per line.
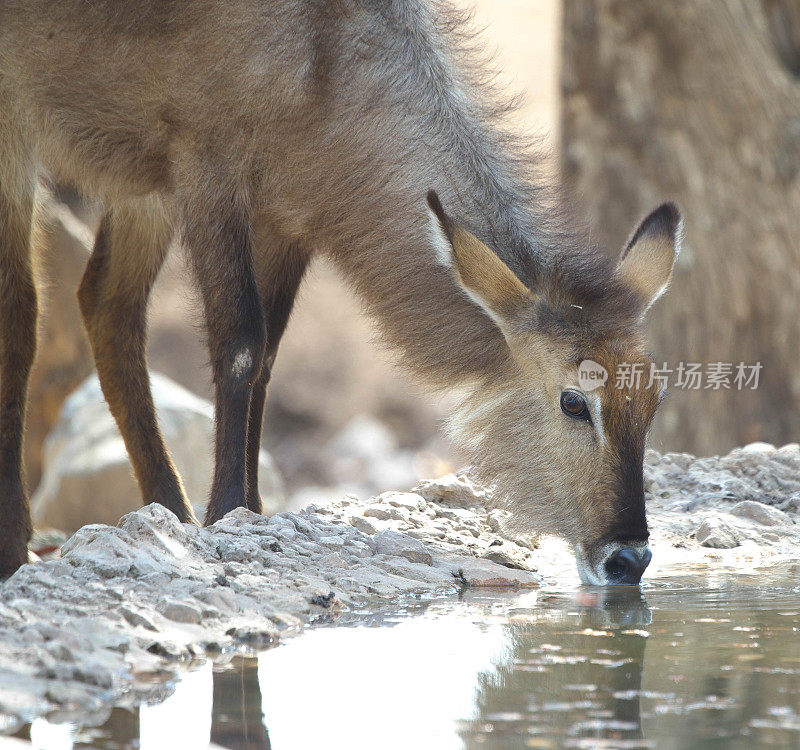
x,y
330,369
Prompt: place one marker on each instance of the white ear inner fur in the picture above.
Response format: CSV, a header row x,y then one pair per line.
x,y
443,252
441,245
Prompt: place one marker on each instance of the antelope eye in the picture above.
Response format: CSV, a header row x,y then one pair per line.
x,y
573,404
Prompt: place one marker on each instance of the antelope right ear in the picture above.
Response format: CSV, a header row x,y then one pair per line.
x,y
486,279
647,260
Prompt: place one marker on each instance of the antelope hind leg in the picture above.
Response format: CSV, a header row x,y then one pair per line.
x,y
128,253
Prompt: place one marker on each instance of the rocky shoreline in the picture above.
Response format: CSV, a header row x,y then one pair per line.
x,y
124,606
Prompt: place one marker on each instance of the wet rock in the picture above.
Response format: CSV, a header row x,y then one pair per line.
x,y
22,699
87,475
717,533
120,596
324,600
484,573
136,618
223,599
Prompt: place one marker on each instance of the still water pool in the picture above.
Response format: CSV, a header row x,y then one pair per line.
x,y
708,661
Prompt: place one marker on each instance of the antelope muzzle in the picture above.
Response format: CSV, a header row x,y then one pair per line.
x,y
614,563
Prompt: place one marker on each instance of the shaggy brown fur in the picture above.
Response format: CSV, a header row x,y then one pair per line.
x,y
263,132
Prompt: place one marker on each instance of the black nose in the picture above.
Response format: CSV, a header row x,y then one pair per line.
x,y
627,565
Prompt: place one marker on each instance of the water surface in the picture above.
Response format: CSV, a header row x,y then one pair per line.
x,y
707,661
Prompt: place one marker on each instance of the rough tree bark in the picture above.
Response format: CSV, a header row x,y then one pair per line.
x,y
699,102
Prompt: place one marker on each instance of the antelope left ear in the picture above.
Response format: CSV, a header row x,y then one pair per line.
x,y
486,279
647,260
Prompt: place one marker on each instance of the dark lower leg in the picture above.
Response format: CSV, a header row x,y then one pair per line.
x,y
219,247
18,313
278,285
254,426
115,315
229,488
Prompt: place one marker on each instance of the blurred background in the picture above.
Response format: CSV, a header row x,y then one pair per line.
x,y
637,102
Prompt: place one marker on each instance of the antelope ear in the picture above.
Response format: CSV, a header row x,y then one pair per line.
x,y
646,262
487,281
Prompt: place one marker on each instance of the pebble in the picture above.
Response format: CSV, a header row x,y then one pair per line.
x,y
761,514
393,543
717,533
179,612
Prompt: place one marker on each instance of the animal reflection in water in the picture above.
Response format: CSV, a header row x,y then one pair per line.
x,y
566,668
221,709
580,682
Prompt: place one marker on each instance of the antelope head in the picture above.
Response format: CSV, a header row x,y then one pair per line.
x,y
559,429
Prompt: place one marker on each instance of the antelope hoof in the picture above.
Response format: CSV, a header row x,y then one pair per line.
x,y
12,556
223,502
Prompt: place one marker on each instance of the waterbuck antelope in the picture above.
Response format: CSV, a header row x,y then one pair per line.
x,y
261,133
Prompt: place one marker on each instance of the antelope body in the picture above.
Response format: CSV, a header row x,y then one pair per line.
x,y
260,133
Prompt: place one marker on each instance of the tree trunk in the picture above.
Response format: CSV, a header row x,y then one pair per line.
x,y
699,102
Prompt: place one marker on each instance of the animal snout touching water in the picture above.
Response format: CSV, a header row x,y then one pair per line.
x,y
626,565
616,563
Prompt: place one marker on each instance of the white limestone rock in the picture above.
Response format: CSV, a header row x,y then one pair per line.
x,y
761,514
717,533
87,474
